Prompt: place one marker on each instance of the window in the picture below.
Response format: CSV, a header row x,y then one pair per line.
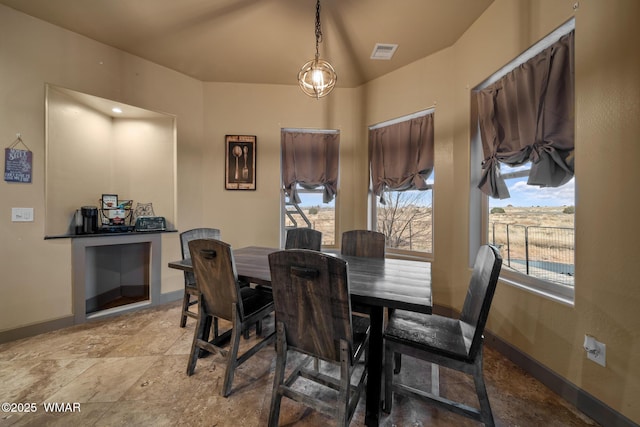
x,y
311,212
401,156
522,196
310,164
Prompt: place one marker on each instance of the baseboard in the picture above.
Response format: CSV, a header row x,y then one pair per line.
x,y
35,329
64,322
171,296
583,401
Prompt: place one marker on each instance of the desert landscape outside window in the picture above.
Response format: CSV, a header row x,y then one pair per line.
x,y
406,219
312,212
534,228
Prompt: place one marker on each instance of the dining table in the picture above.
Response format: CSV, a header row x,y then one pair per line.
x,y
375,283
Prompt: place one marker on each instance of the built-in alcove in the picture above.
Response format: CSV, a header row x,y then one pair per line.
x,y
92,150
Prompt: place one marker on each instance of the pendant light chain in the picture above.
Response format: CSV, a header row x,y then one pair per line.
x,y
317,77
318,29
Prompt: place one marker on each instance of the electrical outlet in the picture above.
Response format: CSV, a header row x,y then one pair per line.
x,y
596,351
22,214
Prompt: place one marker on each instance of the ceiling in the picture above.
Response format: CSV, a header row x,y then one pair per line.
x,y
264,41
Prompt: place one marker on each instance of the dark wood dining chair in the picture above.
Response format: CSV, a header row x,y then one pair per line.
x,y
303,238
452,343
364,243
313,315
221,296
190,290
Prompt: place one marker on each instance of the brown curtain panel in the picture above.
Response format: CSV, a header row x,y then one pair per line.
x,y
528,115
311,160
401,155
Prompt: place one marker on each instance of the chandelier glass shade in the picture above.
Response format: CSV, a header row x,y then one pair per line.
x,y
317,77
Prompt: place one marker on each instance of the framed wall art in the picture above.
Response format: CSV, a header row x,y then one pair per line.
x,y
240,162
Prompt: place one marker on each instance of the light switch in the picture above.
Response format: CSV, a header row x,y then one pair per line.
x,y
22,214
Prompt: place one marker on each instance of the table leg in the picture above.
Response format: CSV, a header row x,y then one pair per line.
x,y
374,380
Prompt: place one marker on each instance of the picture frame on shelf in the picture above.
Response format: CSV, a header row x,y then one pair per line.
x,y
240,162
109,201
125,204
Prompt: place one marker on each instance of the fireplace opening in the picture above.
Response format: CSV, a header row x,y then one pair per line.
x,y
116,275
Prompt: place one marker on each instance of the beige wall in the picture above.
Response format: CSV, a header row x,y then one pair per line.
x,y
607,177
253,217
35,53
36,274
607,111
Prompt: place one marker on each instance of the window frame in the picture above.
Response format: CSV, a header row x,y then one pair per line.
x,y
479,202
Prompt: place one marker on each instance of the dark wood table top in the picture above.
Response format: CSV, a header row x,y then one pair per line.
x,y
393,283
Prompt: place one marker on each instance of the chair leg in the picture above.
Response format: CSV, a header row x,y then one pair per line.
x,y
435,379
232,358
397,358
342,417
481,390
186,299
206,330
388,378
278,377
195,349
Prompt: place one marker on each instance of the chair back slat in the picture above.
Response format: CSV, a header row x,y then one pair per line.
x,y
311,296
186,237
477,303
216,277
303,238
364,243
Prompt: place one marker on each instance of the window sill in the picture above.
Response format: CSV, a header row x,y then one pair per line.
x,y
558,293
410,255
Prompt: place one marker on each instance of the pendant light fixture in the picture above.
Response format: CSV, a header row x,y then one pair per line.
x,y
317,77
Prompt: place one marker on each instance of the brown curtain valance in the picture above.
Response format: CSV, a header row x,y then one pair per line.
x,y
401,155
528,115
310,159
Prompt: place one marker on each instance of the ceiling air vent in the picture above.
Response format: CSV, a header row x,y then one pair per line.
x,y
383,51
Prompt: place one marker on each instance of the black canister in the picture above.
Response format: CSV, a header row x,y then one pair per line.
x,y
89,219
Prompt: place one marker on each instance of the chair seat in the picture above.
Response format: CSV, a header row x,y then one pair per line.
x,y
452,343
361,326
255,300
432,333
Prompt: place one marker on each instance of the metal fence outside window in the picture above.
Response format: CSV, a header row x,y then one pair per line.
x,y
547,253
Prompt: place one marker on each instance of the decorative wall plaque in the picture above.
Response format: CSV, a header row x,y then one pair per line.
x,y
240,162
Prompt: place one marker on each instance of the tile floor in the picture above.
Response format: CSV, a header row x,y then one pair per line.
x,y
129,370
